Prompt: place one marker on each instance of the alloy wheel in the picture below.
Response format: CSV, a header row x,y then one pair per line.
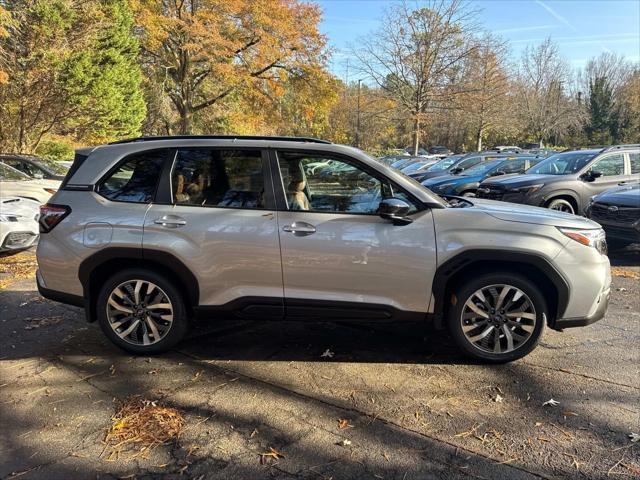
x,y
498,319
562,207
139,312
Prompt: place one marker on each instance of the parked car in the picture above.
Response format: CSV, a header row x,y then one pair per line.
x,y
146,234
618,211
405,162
439,151
393,158
566,181
508,149
418,167
35,167
455,164
17,184
421,151
467,182
18,223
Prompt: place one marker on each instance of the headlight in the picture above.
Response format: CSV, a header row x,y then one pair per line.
x,y
593,237
50,190
528,189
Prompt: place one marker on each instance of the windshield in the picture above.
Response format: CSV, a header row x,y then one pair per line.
x,y
481,168
562,163
414,167
444,163
9,173
55,167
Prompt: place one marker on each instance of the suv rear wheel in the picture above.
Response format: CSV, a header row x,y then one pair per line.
x,y
497,317
141,312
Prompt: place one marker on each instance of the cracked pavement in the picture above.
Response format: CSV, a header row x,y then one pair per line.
x,y
416,409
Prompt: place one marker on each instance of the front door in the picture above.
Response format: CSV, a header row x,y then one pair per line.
x,y
612,168
220,222
339,258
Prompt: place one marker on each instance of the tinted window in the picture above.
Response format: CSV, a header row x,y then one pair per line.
x,y
512,166
218,178
24,167
342,187
562,163
610,165
635,163
9,173
469,162
136,179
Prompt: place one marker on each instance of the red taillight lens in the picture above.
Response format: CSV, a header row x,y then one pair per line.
x,y
51,215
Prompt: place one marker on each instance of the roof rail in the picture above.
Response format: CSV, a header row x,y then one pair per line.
x,y
221,137
621,147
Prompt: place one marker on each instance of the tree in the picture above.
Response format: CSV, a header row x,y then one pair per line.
x,y
540,88
71,69
417,55
488,86
203,52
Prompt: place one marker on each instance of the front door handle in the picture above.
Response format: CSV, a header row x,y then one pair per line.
x,y
300,229
170,221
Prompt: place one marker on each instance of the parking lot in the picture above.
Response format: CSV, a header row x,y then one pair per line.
x,y
330,400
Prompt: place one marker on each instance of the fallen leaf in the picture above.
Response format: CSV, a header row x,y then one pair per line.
x,y
344,423
344,443
634,437
570,414
272,453
327,354
254,433
498,398
551,402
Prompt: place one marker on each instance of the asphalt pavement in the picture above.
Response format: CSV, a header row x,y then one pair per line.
x,y
333,400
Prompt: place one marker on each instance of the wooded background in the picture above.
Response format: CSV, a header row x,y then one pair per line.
x,y
82,72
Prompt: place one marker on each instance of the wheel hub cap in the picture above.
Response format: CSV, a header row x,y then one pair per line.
x,y
139,312
498,319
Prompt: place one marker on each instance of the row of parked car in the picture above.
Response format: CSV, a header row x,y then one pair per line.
x,y
25,183
601,183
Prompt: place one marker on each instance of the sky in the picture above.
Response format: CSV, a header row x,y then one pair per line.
x,y
581,28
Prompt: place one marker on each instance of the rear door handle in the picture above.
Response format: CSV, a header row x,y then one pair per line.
x,y
300,229
170,221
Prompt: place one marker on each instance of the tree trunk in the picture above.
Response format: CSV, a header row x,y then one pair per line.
x,y
416,135
479,139
185,121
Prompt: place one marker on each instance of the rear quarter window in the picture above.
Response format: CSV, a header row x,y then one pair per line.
x,y
136,179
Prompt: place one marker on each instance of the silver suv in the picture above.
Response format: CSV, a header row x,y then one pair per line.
x,y
148,234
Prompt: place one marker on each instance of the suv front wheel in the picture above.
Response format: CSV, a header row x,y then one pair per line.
x,y
497,317
141,312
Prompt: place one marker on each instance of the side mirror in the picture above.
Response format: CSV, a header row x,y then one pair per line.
x,y
591,175
395,210
456,170
498,173
38,176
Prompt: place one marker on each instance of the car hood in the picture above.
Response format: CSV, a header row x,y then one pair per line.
x,y
513,212
19,206
442,179
521,180
625,195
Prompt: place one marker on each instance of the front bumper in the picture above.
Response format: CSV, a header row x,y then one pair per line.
x,y
598,314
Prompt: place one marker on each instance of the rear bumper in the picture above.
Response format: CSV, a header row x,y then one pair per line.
x,y
598,314
56,296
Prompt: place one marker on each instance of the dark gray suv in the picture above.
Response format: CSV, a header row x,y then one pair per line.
x,y
566,181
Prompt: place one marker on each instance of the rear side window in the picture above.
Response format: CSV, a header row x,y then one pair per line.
x,y
136,179
218,178
634,158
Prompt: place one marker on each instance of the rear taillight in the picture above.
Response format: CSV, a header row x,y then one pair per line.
x,y
51,215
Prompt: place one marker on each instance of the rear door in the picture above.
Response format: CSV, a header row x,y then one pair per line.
x,y
216,215
339,257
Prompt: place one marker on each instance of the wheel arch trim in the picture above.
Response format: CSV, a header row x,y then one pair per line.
x,y
466,259
188,282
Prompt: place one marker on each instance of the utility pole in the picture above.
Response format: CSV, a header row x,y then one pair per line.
x,y
358,117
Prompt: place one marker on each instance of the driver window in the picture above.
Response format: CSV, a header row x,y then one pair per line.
x,y
610,165
324,184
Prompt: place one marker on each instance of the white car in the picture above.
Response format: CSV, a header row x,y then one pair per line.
x,y
14,183
18,223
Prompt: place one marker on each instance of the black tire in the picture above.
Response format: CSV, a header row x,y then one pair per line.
x,y
179,326
562,205
465,291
